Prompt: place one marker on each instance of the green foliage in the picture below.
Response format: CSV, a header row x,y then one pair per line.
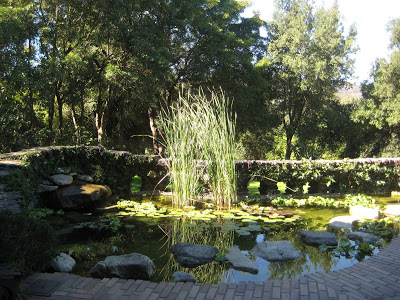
x,y
383,228
42,213
27,243
19,181
318,201
309,66
221,259
344,176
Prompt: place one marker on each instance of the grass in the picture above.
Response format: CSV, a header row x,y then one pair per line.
x,y
252,188
136,184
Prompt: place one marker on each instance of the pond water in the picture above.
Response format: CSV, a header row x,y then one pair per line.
x,y
151,228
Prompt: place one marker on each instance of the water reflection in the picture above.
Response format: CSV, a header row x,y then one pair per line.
x,y
199,233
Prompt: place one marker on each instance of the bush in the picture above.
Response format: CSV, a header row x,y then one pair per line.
x,y
27,243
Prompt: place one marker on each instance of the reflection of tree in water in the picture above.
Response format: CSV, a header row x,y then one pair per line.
x,y
297,267
197,233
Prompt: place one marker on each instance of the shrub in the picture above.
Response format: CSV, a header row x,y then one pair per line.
x,y
27,243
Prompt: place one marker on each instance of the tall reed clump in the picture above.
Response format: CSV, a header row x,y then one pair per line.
x,y
199,136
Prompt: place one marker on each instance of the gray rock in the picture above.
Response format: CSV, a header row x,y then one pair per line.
x,y
86,178
191,256
62,171
240,262
276,251
363,237
61,179
316,238
79,195
363,213
127,266
343,222
44,188
183,277
63,263
392,210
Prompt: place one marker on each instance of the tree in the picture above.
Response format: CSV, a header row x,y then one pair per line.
x,y
310,58
379,111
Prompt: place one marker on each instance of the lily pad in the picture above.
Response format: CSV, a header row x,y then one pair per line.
x,y
150,223
242,232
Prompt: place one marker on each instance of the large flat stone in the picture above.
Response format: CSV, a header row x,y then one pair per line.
x,y
343,222
363,213
128,266
363,237
61,179
240,262
276,251
191,256
317,238
392,210
79,195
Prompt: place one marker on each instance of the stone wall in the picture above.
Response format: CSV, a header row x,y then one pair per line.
x,y
116,169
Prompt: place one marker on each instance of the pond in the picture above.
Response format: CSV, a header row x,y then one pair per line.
x,y
151,228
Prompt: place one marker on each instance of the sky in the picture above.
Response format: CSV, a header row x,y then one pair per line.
x,y
370,17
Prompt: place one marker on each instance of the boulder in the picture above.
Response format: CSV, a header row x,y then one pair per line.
x,y
362,212
276,251
363,237
61,179
63,263
183,277
343,222
317,238
86,178
127,266
79,195
44,188
392,210
191,256
240,262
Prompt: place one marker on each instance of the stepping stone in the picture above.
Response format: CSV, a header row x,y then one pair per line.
x,y
191,256
61,179
392,210
317,238
241,262
276,251
363,237
343,222
183,277
362,212
63,263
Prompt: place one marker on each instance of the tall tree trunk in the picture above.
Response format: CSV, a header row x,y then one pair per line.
x,y
76,126
50,121
60,107
156,146
102,114
289,137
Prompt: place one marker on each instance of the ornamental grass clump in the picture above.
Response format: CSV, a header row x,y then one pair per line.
x,y
198,134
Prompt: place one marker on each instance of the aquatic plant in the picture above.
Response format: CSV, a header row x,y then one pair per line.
x,y
350,200
199,136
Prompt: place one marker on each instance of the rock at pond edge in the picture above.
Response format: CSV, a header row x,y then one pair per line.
x,y
183,277
276,251
191,256
317,238
241,262
63,263
127,266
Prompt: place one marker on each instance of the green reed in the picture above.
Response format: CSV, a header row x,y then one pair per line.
x,y
199,136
